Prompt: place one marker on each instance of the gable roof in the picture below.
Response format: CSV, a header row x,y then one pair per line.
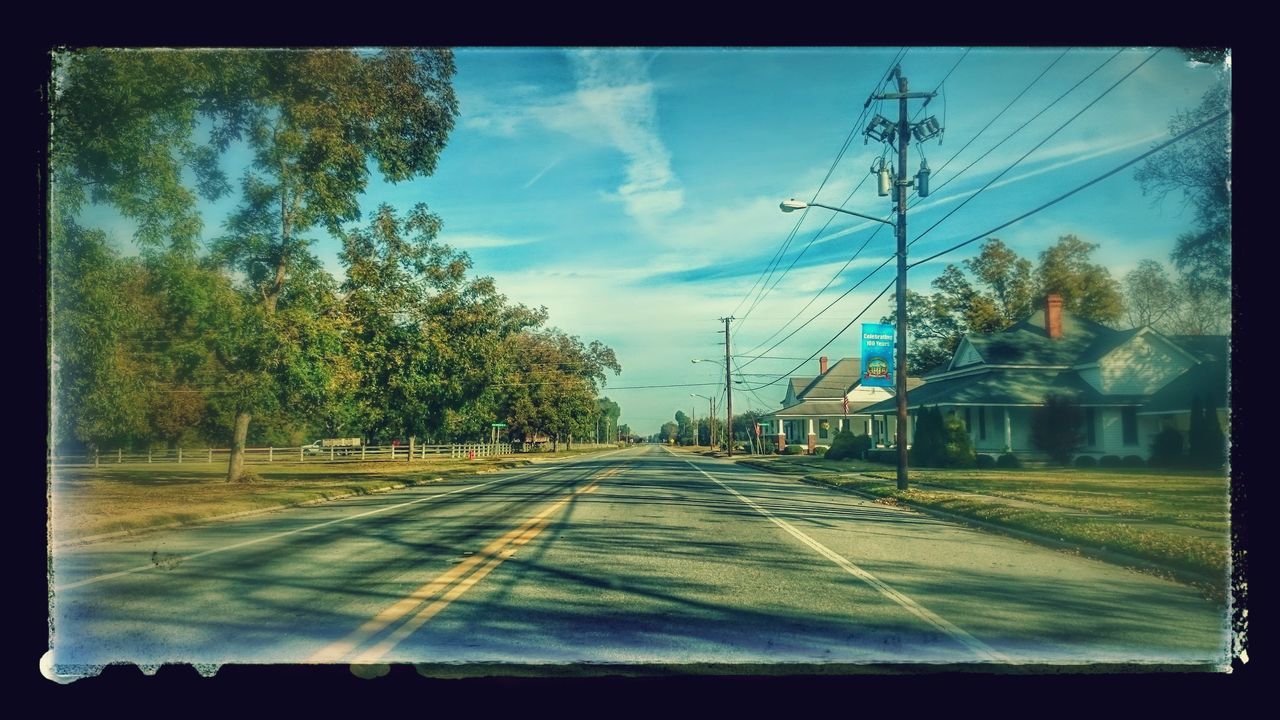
x,y
835,382
1204,347
798,385
1208,379
1028,343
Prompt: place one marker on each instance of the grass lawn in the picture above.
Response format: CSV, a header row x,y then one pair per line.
x,y
88,501
1180,519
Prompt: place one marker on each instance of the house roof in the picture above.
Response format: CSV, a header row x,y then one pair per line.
x,y
835,382
1203,347
1207,379
1028,343
1005,387
816,408
798,385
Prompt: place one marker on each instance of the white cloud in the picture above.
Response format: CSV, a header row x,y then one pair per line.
x,y
614,105
473,241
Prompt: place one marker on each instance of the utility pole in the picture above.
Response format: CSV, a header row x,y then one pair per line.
x,y
903,132
728,388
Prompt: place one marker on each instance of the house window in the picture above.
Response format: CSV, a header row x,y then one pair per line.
x,y
982,423
1129,423
1089,423
824,427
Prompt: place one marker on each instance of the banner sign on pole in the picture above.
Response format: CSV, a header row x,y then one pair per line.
x,y
877,355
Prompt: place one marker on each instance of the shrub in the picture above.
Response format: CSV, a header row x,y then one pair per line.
x,y
1166,448
845,446
1055,427
1133,461
1008,461
794,450
1109,461
985,462
820,451
1086,461
958,449
928,443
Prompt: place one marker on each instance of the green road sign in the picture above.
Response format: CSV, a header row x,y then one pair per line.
x,y
498,425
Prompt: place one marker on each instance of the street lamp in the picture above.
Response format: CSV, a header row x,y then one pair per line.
x,y
901,373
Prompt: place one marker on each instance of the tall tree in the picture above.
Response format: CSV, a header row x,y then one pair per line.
x,y
126,130
427,336
1087,288
551,382
1151,297
1199,170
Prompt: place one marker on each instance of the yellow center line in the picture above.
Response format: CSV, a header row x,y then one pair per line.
x,y
493,552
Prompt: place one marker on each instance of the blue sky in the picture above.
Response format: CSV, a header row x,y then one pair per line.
x,y
634,192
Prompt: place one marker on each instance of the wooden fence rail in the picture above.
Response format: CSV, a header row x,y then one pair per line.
x,y
294,454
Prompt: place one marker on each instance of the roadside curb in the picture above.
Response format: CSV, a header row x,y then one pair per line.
x,y
1113,557
134,532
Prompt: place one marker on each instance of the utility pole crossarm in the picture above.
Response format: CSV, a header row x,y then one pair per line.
x,y
905,96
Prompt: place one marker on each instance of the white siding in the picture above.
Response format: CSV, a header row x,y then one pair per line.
x,y
1139,367
861,394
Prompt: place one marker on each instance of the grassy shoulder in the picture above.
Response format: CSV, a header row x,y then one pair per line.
x,y
1176,519
87,501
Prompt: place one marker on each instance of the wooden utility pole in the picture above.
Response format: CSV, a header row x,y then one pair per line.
x,y
728,388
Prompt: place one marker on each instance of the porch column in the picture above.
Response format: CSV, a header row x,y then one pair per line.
x,y
813,439
870,431
1008,431
782,436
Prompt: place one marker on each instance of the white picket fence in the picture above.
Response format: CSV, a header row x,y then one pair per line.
x,y
304,454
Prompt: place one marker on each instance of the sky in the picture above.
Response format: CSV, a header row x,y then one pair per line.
x,y
634,192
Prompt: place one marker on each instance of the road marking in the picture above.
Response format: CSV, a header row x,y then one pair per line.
x,y
977,646
493,555
275,536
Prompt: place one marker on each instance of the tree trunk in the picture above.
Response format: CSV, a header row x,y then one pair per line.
x,y
555,440
236,466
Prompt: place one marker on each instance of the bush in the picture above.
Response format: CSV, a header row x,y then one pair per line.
x,y
957,450
1086,461
847,446
1166,448
1008,461
1133,461
795,450
1109,461
928,441
1056,427
820,451
985,462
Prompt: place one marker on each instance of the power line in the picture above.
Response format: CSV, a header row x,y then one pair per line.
x,y
1100,178
767,274
1046,139
832,303
877,228
833,337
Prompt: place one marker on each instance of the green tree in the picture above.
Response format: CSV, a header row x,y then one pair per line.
x,y
551,382
1087,289
1056,427
957,447
928,440
427,338
126,130
668,432
100,392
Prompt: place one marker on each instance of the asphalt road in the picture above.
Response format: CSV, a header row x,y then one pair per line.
x,y
634,556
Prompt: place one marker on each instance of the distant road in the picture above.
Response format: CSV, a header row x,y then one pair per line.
x,y
634,556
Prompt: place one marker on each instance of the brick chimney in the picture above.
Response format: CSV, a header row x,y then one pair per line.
x,y
1053,316
822,365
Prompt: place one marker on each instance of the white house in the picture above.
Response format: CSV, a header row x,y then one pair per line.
x,y
814,408
1129,383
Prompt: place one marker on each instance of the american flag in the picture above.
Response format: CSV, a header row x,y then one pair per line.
x,y
845,402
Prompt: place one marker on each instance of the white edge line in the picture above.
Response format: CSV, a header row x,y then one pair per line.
x,y
969,641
